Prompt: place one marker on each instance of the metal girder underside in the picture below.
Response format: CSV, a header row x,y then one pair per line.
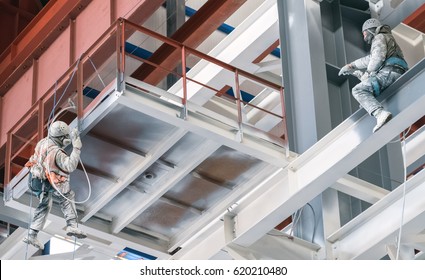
x,y
156,175
176,203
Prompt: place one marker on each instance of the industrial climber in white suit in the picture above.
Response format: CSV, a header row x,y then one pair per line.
x,y
50,169
378,70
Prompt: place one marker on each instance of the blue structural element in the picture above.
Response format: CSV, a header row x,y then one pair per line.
x,y
135,50
131,254
244,95
90,92
46,250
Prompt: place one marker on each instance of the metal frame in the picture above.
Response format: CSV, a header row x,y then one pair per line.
x,y
292,187
119,29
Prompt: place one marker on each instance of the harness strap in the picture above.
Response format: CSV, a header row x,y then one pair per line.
x,y
397,62
375,85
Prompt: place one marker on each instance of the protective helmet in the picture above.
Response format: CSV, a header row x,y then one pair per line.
x,y
58,129
370,23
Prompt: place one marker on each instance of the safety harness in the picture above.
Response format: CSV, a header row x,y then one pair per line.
x,y
397,64
395,61
40,179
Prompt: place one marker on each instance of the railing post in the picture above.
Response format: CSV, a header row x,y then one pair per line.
x,y
238,102
40,124
123,25
285,129
119,48
7,167
184,100
80,85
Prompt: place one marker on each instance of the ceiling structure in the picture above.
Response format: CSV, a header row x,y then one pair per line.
x,y
16,15
167,182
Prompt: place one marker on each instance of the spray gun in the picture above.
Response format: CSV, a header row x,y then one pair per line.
x,y
72,104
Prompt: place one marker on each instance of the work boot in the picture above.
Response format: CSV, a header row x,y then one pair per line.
x,y
32,240
74,231
382,117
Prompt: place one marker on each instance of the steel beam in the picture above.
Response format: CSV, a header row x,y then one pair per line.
x,y
205,245
43,30
143,10
202,125
306,89
217,211
98,234
277,245
360,189
192,33
134,171
14,249
239,252
345,147
192,160
328,160
243,44
414,147
379,225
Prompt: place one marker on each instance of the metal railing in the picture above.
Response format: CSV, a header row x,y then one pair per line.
x,y
102,69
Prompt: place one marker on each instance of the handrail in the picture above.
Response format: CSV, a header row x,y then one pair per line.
x,y
38,107
37,111
202,55
185,49
201,84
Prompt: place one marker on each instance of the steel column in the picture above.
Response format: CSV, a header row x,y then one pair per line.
x,y
304,73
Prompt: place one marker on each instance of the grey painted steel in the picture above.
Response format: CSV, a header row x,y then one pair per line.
x,y
304,73
339,152
201,167
393,12
306,90
379,225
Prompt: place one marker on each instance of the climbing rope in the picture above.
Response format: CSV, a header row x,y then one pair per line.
x,y
403,145
28,231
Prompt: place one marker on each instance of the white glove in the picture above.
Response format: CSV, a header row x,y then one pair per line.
x,y
346,70
364,77
75,139
358,74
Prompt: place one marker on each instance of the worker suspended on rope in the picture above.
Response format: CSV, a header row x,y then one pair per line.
x,y
50,169
377,71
